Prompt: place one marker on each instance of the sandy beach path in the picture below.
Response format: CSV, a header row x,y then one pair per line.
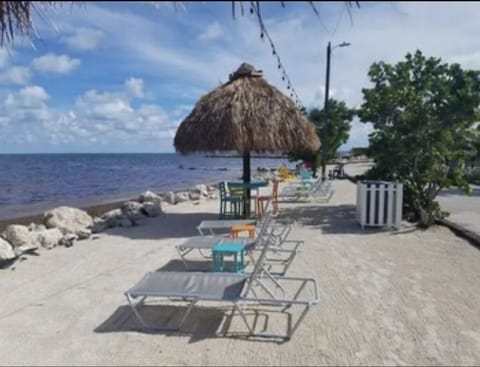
x,y
399,298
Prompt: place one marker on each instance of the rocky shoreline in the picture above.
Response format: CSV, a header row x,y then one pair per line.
x,y
64,226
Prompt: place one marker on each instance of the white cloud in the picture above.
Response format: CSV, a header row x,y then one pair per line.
x,y
98,118
24,112
53,63
31,96
84,39
134,87
104,106
213,31
19,75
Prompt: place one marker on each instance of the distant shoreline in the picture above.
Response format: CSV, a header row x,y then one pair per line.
x,y
241,156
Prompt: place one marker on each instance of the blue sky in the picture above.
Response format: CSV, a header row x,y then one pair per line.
x,y
120,77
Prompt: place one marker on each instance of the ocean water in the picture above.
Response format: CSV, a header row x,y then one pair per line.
x,y
33,183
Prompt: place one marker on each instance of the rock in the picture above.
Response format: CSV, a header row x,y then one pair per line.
x,y
212,188
6,251
132,210
194,196
33,227
212,196
84,234
182,197
112,214
68,220
152,209
115,218
201,189
21,239
68,240
99,225
124,222
149,196
170,198
50,238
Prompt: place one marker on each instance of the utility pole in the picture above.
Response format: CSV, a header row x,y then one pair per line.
x,y
325,110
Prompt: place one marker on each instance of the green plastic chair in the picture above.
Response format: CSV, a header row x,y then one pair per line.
x,y
231,206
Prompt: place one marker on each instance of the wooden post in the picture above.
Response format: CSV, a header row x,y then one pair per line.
x,y
246,180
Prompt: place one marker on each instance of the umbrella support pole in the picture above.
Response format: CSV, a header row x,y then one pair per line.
x,y
246,179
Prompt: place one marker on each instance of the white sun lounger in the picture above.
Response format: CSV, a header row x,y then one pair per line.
x,y
212,227
236,289
281,247
320,191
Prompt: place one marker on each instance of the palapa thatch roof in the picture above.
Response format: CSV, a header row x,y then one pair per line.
x,y
246,114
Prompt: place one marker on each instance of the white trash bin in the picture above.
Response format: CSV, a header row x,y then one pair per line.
x,y
379,203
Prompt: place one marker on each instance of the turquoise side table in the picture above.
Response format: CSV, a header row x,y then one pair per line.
x,y
223,249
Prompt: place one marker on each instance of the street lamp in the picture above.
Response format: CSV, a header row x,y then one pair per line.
x,y
325,108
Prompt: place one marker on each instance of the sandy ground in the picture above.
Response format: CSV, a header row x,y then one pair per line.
x,y
408,297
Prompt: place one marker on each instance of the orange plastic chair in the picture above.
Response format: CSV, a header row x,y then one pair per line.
x,y
261,201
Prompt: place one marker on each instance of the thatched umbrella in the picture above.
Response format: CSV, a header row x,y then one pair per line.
x,y
246,114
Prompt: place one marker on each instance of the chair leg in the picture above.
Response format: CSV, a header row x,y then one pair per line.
x,y
146,326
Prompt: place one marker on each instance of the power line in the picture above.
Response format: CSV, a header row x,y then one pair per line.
x,y
255,9
338,20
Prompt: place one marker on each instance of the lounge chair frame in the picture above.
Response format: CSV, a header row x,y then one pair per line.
x,y
244,294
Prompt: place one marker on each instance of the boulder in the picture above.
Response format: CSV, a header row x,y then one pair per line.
x,y
194,196
212,188
116,218
68,240
201,189
21,239
6,251
213,196
149,196
49,238
68,220
84,233
112,214
99,225
152,209
170,198
124,222
181,197
132,210
33,227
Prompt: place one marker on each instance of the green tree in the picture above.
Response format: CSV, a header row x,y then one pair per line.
x,y
337,132
421,110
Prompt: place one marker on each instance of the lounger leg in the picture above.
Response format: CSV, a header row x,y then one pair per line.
x,y
251,329
203,255
146,326
244,318
291,329
183,254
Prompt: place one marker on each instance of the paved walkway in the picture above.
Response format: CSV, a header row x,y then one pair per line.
x,y
464,208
